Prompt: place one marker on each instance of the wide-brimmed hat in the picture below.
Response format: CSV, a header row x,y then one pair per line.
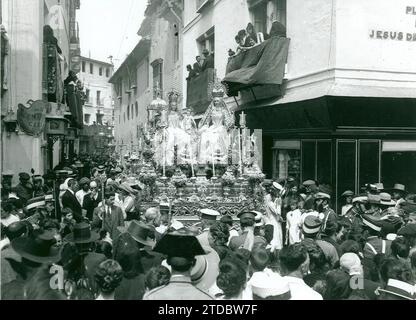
x,y
360,198
41,248
379,186
309,183
100,168
181,243
385,199
398,188
35,203
322,195
125,187
258,219
347,193
247,214
209,214
82,234
269,286
373,198
399,289
278,186
140,232
24,176
133,182
372,222
206,268
409,230
311,225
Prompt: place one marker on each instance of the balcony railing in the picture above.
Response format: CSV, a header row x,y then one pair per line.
x,y
261,65
197,91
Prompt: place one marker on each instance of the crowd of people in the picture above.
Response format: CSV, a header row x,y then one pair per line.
x,y
91,227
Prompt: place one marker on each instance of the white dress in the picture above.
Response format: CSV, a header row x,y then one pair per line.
x,y
273,212
293,226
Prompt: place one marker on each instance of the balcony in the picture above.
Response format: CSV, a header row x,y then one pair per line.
x,y
261,65
197,91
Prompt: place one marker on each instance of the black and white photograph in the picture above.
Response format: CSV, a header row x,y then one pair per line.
x,y
226,151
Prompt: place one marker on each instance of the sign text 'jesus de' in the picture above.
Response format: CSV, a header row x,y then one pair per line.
x,y
396,34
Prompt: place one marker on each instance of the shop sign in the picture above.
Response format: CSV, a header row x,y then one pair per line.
x,y
31,119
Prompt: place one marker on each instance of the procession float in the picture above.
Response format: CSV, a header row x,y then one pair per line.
x,y
187,164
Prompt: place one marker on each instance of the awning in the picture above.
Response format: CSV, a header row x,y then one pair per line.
x,y
263,64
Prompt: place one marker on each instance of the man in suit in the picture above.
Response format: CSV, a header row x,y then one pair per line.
x,y
91,200
198,65
24,189
208,60
208,218
69,200
181,261
140,235
247,239
108,216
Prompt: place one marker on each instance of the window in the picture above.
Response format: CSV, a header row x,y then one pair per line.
x,y
128,112
98,98
100,71
157,75
100,117
91,68
87,118
124,116
346,168
87,95
107,72
263,13
369,162
137,109
207,41
317,161
286,159
398,164
83,66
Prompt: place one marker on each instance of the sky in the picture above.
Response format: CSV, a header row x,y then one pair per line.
x,y
109,27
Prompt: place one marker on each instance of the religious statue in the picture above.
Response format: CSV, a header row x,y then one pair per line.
x,y
214,127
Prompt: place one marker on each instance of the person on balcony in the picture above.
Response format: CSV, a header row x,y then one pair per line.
x,y
208,60
277,29
251,38
198,66
191,72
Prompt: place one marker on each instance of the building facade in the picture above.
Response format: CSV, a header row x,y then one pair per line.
x,y
342,111
155,64
40,45
98,109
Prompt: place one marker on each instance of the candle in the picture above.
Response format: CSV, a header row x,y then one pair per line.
x,y
213,162
192,161
239,152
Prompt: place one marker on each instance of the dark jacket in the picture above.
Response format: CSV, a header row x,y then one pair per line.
x,y
197,68
24,193
70,201
108,221
90,204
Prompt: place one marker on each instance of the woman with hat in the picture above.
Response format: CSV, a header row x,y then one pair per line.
x,y
398,192
127,201
273,207
347,196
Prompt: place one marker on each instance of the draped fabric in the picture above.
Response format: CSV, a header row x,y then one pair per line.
x,y
263,64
